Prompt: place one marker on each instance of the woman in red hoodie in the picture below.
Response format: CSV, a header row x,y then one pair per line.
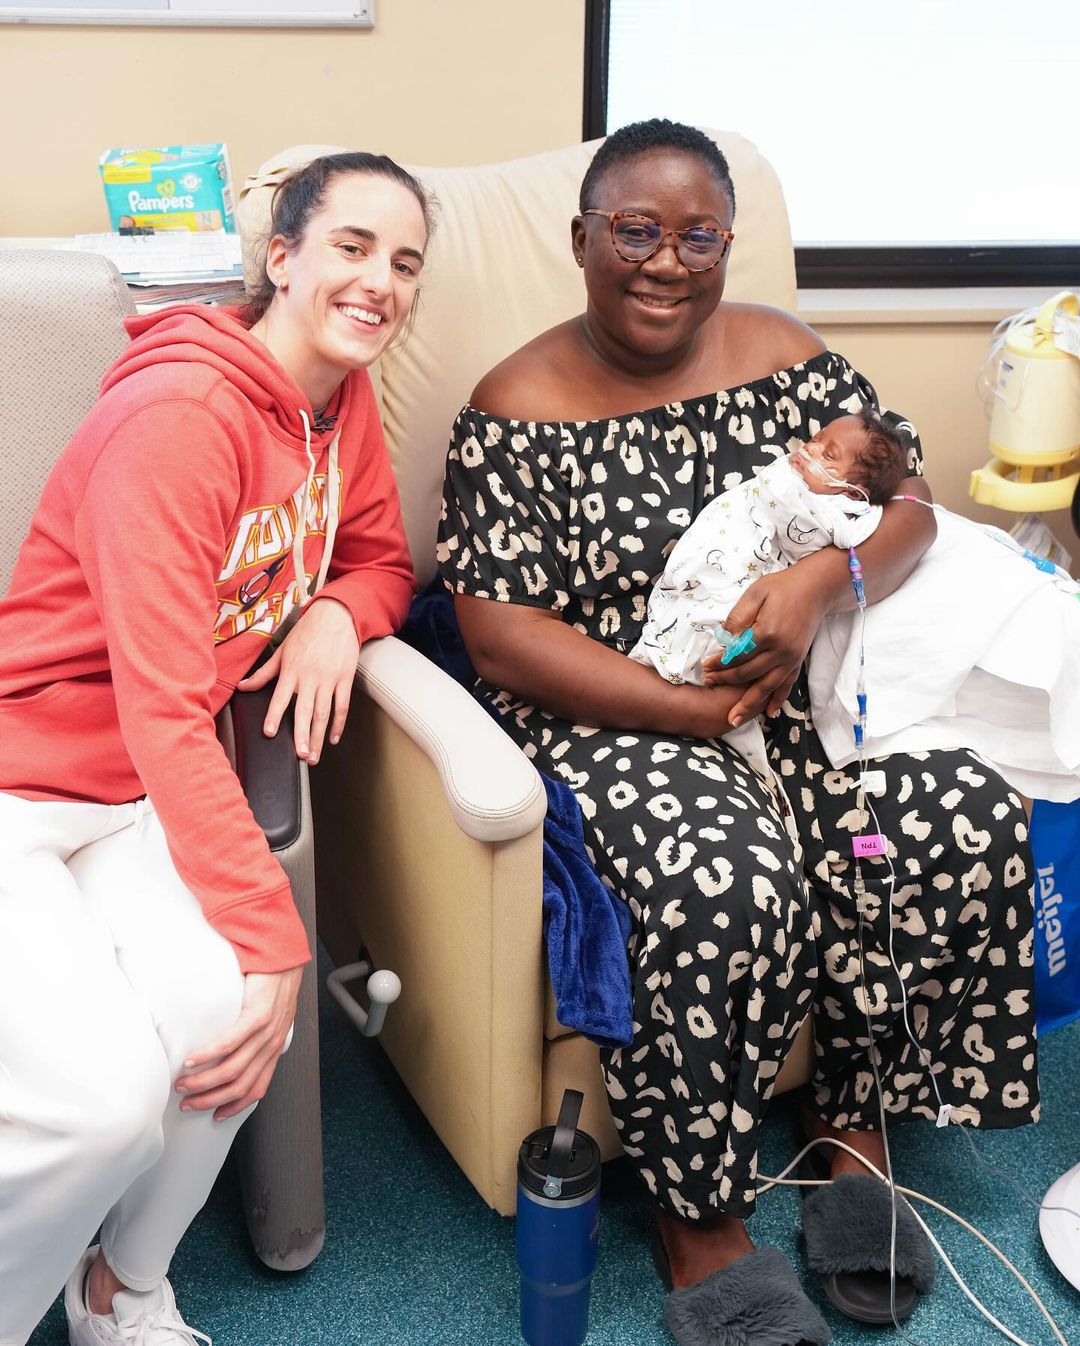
x,y
233,470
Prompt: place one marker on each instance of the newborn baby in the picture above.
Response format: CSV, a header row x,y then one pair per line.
x,y
829,491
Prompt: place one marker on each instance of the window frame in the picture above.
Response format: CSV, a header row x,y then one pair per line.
x,y
868,266
191,14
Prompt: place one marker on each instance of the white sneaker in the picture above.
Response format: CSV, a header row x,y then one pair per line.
x,y
149,1319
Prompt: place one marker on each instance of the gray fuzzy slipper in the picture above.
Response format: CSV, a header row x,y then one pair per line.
x,y
846,1225
756,1301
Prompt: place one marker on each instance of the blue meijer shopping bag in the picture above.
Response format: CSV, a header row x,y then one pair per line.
x,y
1055,842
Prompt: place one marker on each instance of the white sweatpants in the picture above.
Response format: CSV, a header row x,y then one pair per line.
x,y
109,976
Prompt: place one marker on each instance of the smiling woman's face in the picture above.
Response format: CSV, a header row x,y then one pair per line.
x,y
655,306
348,287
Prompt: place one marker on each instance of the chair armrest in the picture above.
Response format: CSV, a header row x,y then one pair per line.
x,y
268,768
493,790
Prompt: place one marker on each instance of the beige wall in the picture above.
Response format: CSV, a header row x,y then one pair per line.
x,y
435,82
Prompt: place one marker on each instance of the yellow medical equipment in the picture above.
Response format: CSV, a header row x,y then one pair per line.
x,y
1035,419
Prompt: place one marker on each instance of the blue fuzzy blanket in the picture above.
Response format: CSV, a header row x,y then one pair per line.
x,y
586,926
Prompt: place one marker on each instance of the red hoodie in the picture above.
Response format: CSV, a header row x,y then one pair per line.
x,y
157,566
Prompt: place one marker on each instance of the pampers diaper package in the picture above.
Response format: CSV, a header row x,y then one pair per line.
x,y
171,187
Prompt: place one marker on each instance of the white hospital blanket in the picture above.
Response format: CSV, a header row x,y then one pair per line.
x,y
976,649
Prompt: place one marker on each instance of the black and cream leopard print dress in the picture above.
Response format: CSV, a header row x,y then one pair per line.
x,y
739,930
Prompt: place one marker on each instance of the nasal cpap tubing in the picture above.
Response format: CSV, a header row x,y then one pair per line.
x,y
818,468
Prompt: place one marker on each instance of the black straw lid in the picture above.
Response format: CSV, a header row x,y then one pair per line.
x,y
560,1162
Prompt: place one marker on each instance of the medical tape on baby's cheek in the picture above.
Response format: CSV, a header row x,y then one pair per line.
x,y
817,467
820,470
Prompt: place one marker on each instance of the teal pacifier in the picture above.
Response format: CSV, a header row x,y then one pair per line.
x,y
735,645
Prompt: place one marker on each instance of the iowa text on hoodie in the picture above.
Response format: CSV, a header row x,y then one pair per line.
x,y
158,564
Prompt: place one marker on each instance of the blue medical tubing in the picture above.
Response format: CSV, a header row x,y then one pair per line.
x,y
856,577
859,726
1042,563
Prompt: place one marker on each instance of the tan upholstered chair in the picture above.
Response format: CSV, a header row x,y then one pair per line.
x,y
428,837
61,326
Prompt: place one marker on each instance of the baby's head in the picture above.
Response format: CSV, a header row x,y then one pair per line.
x,y
858,451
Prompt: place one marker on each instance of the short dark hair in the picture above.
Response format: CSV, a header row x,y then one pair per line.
x,y
656,134
881,464
301,194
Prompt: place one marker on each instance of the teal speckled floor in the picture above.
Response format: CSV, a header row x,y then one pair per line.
x,y
414,1258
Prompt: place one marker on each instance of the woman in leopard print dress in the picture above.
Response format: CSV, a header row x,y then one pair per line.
x,y
563,497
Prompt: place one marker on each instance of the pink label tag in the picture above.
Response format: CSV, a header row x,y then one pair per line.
x,y
873,843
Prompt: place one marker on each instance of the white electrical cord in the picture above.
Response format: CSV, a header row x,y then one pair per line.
x,y
866,808
890,1179
923,1055
783,1180
926,1062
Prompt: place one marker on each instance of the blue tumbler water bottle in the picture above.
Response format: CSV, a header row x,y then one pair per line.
x,y
558,1221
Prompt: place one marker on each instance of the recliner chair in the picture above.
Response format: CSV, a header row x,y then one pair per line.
x,y
429,819
61,326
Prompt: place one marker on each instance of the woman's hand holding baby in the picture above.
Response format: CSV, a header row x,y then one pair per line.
x,y
785,612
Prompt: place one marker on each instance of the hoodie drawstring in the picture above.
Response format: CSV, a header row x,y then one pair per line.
x,y
333,501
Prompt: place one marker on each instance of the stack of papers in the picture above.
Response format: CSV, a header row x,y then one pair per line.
x,y
172,255
174,265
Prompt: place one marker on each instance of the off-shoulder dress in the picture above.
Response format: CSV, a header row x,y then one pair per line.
x,y
744,919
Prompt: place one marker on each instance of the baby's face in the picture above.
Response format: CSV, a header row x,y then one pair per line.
x,y
830,456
